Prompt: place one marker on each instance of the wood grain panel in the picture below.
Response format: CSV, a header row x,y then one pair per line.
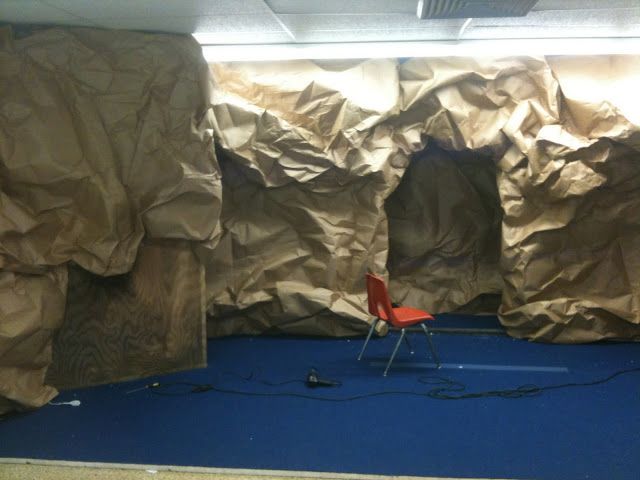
x,y
147,322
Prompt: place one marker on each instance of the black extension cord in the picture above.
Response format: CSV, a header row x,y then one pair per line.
x,y
452,390
447,389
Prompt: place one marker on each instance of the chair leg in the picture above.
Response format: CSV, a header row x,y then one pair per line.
x,y
433,350
373,327
393,355
406,340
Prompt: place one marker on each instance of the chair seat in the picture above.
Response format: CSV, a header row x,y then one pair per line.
x,y
407,316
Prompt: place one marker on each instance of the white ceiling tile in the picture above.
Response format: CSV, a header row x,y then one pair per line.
x,y
238,23
397,27
307,23
151,24
498,32
568,18
241,38
251,21
344,6
584,4
232,25
366,28
159,8
384,35
33,11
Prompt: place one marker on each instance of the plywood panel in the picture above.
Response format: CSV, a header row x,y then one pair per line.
x,y
146,322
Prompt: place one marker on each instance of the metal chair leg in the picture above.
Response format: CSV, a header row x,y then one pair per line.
x,y
433,350
393,355
406,340
373,327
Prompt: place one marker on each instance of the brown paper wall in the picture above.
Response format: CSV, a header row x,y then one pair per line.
x,y
304,190
31,309
563,143
102,144
105,138
444,231
292,259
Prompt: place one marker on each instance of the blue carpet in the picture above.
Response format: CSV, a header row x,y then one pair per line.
x,y
570,433
468,322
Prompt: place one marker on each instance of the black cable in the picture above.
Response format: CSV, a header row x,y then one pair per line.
x,y
157,388
279,384
200,388
252,378
450,389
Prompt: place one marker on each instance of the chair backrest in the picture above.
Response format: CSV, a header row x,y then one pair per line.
x,y
378,298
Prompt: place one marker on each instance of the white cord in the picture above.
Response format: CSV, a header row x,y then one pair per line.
x,y
73,403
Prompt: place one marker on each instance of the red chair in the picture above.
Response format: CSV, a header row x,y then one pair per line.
x,y
399,317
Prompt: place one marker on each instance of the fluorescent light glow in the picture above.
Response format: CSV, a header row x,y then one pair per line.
x,y
463,48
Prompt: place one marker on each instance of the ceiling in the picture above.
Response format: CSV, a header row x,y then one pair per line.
x,y
237,22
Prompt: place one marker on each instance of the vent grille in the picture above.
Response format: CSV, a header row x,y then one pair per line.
x,y
474,8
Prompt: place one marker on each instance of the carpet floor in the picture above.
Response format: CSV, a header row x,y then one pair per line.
x,y
260,414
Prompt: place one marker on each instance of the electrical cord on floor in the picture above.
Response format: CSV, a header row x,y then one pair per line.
x,y
312,380
201,388
452,390
252,377
448,390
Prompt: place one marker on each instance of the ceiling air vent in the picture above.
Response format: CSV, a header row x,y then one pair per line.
x,y
474,8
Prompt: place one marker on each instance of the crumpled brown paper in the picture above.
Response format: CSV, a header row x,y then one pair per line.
x,y
570,239
105,137
560,148
444,231
304,189
31,308
567,189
